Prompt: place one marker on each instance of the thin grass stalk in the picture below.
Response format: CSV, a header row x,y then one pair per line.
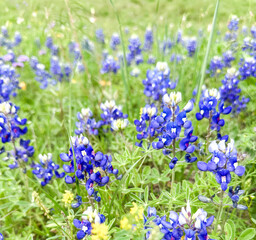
x,y
203,69
125,71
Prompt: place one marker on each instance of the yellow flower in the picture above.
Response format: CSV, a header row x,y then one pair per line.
x,y
73,81
134,210
124,224
99,231
141,111
137,212
104,83
68,197
23,86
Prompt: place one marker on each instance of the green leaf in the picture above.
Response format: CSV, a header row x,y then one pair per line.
x,y
228,231
247,234
233,226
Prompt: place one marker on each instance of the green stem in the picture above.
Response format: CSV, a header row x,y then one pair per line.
x,y
219,213
173,148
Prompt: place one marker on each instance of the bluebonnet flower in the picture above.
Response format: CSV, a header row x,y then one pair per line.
x,y
4,31
210,99
151,59
5,40
42,76
17,39
74,51
253,31
49,42
92,169
245,30
119,124
248,68
78,203
169,125
100,36
231,93
10,131
233,23
143,126
179,36
228,58
216,65
109,65
138,59
59,70
191,44
110,113
249,45
181,225
134,48
234,194
10,122
53,48
166,45
89,217
148,39
158,82
46,169
87,44
223,162
87,124
135,72
1,236
177,58
115,41
9,82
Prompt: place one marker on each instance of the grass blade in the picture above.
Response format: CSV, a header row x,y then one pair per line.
x,y
203,69
125,72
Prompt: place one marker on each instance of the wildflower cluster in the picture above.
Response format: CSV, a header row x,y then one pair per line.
x,y
111,117
158,82
90,168
134,50
5,40
115,41
248,67
166,128
148,39
233,26
11,131
46,169
180,225
223,161
76,57
9,82
231,93
42,75
191,44
109,65
92,223
208,109
100,37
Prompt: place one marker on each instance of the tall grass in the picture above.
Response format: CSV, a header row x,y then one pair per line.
x,y
203,69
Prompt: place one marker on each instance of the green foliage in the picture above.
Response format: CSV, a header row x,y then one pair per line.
x,y
146,175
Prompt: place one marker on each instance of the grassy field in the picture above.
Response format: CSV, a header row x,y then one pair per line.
x,y
51,112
